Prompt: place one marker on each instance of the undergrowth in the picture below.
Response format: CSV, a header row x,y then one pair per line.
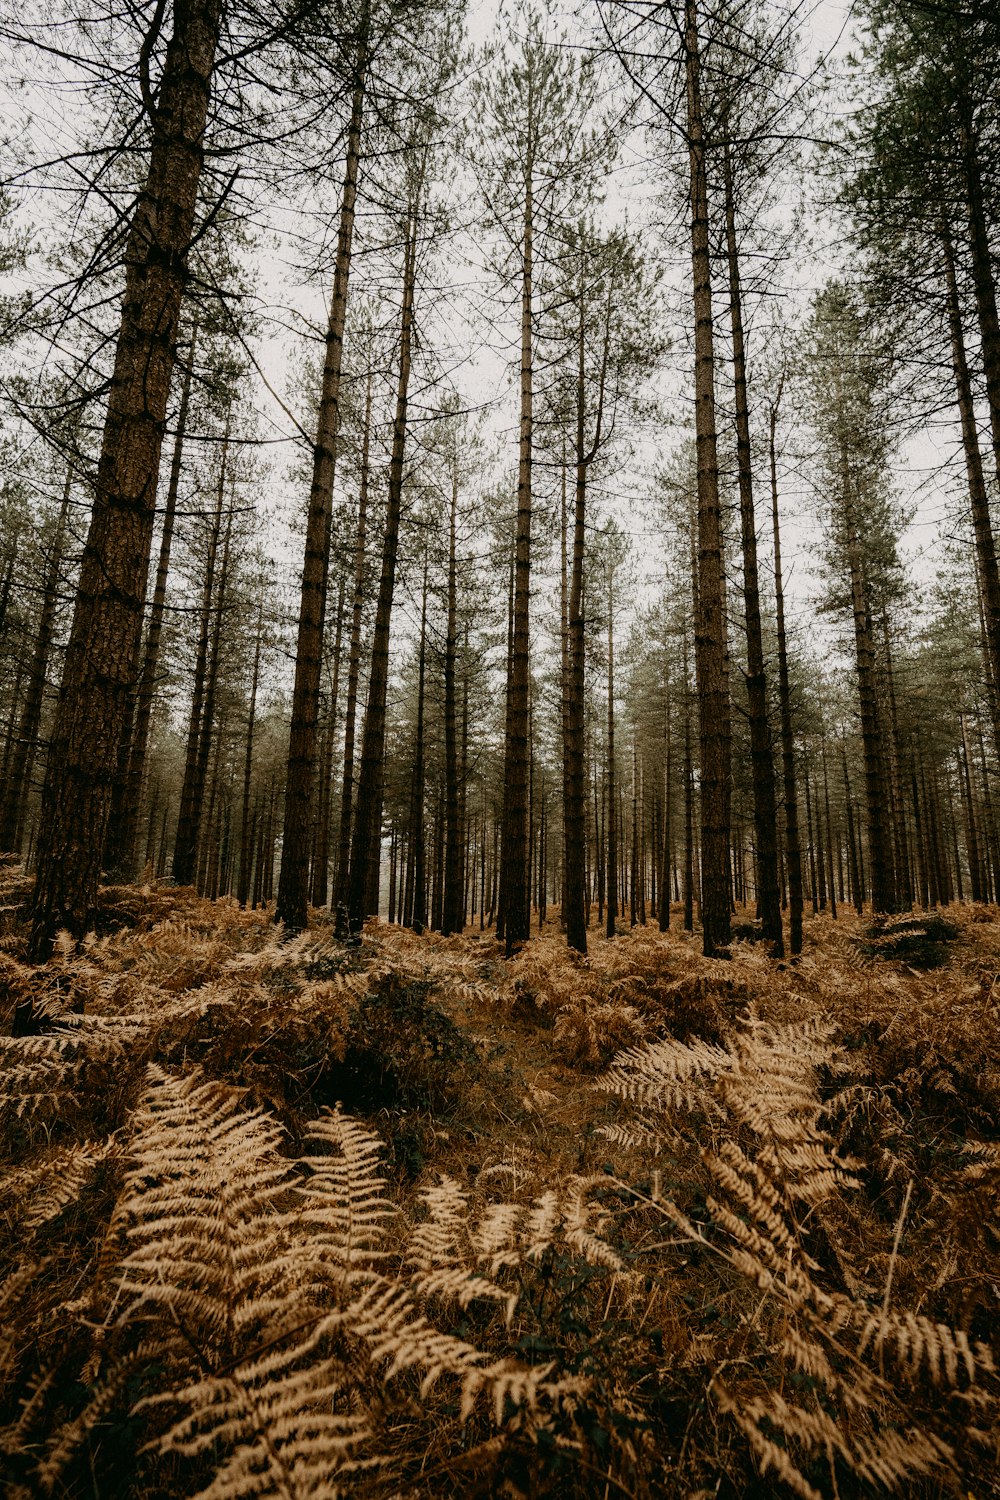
x,y
291,1218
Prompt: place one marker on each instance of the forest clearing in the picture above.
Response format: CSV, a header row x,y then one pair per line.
x,y
499,749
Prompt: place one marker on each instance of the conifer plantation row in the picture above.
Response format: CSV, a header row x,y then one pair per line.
x,y
404,413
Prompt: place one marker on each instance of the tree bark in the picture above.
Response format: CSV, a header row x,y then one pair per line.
x,y
453,905
761,757
120,853
418,847
186,836
102,656
515,899
793,852
208,731
320,877
243,880
986,557
300,783
353,673
366,839
611,830
18,781
879,852
713,704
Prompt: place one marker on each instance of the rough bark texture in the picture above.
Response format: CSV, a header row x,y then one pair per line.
x,y
761,758
300,784
102,655
710,652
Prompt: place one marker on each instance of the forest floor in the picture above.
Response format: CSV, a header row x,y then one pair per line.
x,y
299,1218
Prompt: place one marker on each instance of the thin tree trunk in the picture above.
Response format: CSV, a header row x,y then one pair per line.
x,y
793,853
879,851
761,757
353,672
514,863
829,836
320,879
127,802
713,705
185,838
857,883
972,837
417,843
983,281
300,783
367,833
611,831
208,725
18,781
986,557
453,905
243,885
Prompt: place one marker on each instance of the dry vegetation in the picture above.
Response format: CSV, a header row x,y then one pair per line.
x,y
300,1219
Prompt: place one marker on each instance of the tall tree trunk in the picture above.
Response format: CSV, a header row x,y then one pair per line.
x,y
320,879
857,883
102,656
186,838
901,841
710,646
514,862
611,830
127,794
793,853
501,889
25,748
417,840
879,851
986,556
813,891
367,833
574,813
453,905
463,791
983,280
829,836
665,845
353,673
243,882
972,839
761,757
300,783
199,825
